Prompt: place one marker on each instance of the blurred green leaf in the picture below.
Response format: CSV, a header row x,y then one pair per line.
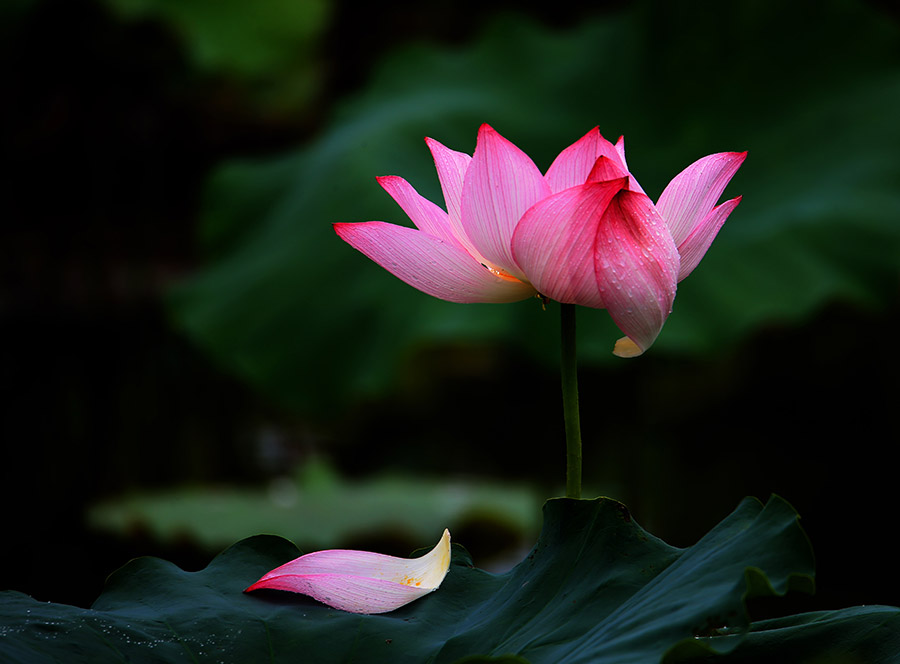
x,y
270,43
318,509
596,588
245,37
287,305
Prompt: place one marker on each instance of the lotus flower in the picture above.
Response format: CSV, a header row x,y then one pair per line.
x,y
360,581
583,233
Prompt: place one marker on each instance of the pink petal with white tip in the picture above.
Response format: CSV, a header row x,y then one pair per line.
x,y
554,242
695,245
501,184
361,581
692,194
435,267
636,265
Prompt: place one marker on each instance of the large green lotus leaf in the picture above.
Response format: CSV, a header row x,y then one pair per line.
x,y
287,305
595,588
849,636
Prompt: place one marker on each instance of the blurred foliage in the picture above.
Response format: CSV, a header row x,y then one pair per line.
x,y
270,44
305,318
317,509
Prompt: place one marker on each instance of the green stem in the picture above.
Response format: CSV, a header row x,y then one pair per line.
x,y
570,401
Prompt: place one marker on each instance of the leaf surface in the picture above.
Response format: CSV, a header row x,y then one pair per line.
x,y
595,588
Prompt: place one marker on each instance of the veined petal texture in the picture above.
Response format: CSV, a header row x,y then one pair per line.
x,y
620,151
692,194
636,265
501,183
574,165
606,169
585,233
554,242
361,581
451,168
433,266
427,216
695,245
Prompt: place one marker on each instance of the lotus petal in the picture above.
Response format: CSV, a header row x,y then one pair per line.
x,y
695,245
427,216
554,241
606,169
636,264
440,269
620,151
451,168
691,195
574,165
361,581
501,184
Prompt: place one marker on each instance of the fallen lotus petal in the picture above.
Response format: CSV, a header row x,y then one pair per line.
x,y
361,581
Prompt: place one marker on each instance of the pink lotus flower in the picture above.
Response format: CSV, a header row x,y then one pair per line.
x,y
583,233
360,581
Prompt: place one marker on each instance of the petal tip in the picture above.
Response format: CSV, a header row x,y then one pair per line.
x,y
625,347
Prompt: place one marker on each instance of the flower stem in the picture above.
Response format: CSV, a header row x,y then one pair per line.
x,y
570,401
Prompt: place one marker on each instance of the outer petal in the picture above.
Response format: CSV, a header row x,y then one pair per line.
x,y
554,242
606,169
427,216
695,245
501,184
620,151
451,169
573,164
691,195
360,581
433,266
636,265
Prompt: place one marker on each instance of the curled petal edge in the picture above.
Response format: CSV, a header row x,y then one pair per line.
x,y
361,581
